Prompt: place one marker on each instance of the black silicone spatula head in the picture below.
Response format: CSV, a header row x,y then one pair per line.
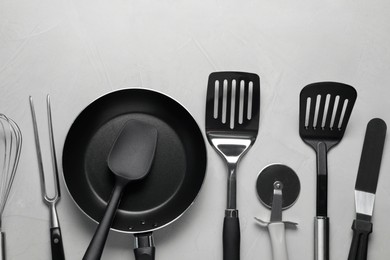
x,y
324,111
132,153
130,159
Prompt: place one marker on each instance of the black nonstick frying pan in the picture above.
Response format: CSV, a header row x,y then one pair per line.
x,y
173,182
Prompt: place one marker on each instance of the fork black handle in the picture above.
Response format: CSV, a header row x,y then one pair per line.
x,y
57,248
231,235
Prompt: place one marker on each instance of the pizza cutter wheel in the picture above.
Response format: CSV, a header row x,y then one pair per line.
x,y
278,188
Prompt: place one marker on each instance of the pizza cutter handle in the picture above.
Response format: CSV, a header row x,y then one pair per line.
x,y
278,240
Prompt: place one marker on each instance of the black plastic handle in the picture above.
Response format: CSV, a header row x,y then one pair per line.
x,y
231,236
144,246
144,253
361,231
57,248
322,180
96,246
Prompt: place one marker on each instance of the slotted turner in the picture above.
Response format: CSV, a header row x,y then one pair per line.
x,y
232,123
324,111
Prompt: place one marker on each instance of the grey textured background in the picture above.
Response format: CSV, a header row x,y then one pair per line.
x,y
79,50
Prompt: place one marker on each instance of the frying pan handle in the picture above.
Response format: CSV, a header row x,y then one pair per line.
x,y
361,231
231,235
144,246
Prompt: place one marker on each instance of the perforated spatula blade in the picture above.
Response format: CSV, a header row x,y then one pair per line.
x,y
232,123
324,111
233,102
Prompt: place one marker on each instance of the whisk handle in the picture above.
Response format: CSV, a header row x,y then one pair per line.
x,y
2,246
57,249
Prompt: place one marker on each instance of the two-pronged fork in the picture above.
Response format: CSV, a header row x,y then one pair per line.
x,y
57,249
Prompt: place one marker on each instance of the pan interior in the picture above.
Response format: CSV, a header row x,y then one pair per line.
x,y
142,195
176,175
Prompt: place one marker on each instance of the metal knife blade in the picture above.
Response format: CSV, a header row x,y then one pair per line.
x,y
368,173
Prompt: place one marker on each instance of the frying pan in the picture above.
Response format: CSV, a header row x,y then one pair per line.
x,y
173,182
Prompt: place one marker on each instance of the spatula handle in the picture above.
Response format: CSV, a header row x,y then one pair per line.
x,y
96,246
231,235
322,179
321,236
361,230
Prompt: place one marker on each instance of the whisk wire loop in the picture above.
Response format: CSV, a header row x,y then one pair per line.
x,y
11,139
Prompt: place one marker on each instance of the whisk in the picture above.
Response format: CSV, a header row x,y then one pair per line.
x,y
11,145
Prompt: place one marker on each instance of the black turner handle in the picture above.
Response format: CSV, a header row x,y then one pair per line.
x,y
231,236
367,180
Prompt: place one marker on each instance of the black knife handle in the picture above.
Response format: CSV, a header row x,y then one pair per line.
x,y
57,248
231,235
361,231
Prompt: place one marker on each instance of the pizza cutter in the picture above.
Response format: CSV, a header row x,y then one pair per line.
x,y
278,188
